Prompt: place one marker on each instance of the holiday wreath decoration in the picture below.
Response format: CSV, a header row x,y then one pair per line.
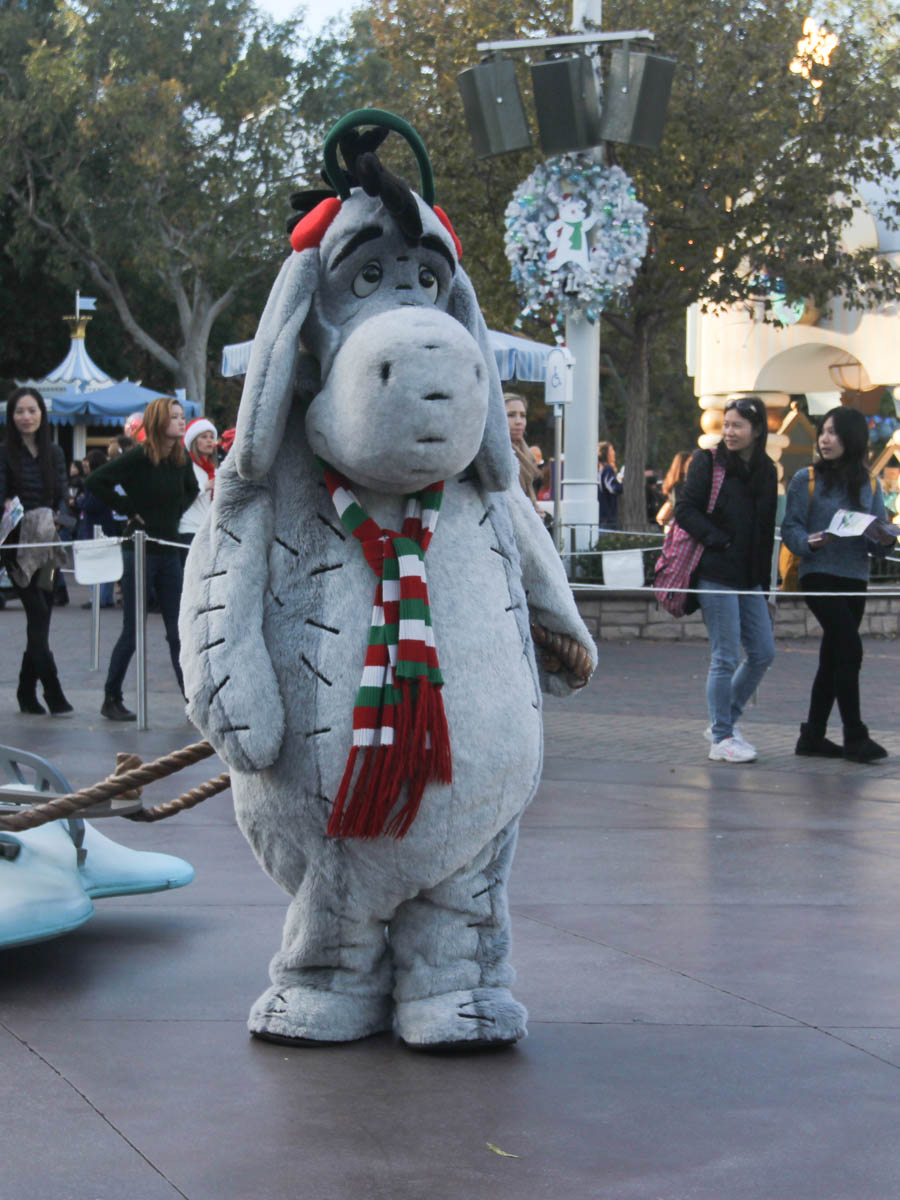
x,y
575,237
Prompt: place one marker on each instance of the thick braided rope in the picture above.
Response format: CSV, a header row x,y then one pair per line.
x,y
113,785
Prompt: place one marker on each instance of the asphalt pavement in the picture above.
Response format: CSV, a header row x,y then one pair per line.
x,y
709,955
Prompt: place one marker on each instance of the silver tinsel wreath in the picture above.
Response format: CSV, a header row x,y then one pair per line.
x,y
614,241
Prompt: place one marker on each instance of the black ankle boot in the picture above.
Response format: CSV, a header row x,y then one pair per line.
x,y
859,747
56,700
114,710
813,742
26,693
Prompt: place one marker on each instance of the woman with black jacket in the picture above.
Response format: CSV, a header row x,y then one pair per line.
x,y
157,484
735,570
33,468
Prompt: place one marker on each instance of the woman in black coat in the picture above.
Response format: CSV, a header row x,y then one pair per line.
x,y
33,468
734,572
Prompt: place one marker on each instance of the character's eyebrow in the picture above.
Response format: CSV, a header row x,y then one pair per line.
x,y
358,239
430,242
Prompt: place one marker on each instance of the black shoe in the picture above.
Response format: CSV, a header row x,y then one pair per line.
x,y
114,710
53,694
859,747
812,742
26,693
29,703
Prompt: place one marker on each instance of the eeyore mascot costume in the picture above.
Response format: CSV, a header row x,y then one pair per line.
x,y
355,627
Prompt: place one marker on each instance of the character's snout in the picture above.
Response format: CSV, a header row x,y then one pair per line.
x,y
405,401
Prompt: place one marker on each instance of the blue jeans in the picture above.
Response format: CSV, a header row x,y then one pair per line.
x,y
733,621
164,576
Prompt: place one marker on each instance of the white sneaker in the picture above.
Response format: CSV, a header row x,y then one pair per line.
x,y
731,750
736,733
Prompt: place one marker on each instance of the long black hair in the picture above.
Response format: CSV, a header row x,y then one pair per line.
x,y
15,447
849,470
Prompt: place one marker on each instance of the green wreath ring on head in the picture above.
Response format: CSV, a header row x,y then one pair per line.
x,y
387,120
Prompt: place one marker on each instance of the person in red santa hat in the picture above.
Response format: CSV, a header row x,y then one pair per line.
x,y
200,439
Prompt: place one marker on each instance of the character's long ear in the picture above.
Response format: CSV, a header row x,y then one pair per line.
x,y
494,461
269,385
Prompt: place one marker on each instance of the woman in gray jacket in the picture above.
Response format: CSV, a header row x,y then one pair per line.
x,y
830,564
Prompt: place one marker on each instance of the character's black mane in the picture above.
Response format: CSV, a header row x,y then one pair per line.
x,y
364,169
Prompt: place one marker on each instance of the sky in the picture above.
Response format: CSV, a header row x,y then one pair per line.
x,y
317,11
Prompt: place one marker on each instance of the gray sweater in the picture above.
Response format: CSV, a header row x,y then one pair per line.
x,y
803,515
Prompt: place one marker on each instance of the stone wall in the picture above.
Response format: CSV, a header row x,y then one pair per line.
x,y
620,616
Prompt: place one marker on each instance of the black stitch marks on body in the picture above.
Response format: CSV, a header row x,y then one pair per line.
x,y
315,732
218,687
331,525
290,549
510,607
277,599
210,645
234,537
215,574
234,729
322,569
502,553
314,670
319,625
212,608
487,513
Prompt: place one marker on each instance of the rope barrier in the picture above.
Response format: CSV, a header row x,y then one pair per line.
x,y
125,782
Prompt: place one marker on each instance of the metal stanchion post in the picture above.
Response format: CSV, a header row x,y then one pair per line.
x,y
95,615
140,604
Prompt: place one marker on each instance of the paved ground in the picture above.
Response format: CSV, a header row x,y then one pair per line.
x,y
709,955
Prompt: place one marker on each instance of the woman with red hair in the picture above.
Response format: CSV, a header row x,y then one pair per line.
x,y
157,484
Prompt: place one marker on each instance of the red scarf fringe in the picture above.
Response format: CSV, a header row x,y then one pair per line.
x,y
419,755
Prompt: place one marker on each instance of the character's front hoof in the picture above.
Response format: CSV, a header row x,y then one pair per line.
x,y
303,1016
483,1018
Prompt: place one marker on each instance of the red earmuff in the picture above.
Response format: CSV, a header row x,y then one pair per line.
x,y
445,221
311,230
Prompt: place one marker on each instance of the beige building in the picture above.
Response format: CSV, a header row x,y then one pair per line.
x,y
840,355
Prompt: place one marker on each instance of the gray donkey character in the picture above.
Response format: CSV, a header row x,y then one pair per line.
x,y
359,618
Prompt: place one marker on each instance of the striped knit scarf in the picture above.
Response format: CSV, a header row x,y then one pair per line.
x,y
400,732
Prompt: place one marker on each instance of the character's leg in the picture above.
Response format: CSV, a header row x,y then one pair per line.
x,y
450,946
332,977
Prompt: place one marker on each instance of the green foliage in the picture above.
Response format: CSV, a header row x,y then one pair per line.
x,y
148,141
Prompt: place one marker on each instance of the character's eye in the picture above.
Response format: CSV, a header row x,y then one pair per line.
x,y
428,282
368,279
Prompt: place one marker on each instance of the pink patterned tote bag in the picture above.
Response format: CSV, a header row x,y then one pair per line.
x,y
679,556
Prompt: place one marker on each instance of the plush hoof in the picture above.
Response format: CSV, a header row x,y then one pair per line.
x,y
301,1016
481,1019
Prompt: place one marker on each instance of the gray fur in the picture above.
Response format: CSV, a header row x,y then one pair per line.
x,y
275,621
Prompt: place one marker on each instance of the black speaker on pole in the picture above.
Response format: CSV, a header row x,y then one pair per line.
x,y
636,98
568,111
493,105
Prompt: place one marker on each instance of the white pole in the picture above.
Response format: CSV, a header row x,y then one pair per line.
x,y
583,418
140,605
95,615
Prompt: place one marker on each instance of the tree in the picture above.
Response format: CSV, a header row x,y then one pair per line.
x,y
754,178
152,143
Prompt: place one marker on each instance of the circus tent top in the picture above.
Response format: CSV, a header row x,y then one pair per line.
x,y
80,393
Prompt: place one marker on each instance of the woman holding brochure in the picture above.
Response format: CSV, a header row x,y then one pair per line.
x,y
821,527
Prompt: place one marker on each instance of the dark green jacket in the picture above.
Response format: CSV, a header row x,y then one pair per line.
x,y
159,495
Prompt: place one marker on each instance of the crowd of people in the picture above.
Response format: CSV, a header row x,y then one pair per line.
x,y
162,481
